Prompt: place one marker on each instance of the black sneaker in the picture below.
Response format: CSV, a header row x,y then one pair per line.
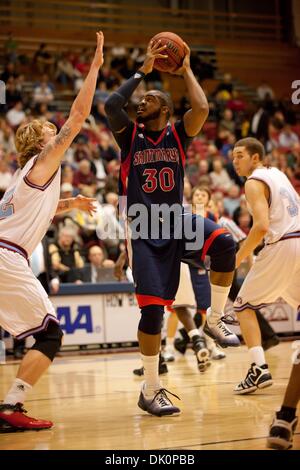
x,y
257,377
201,352
162,368
159,405
181,345
281,434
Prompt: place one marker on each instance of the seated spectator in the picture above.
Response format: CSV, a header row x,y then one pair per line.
x,y
65,72
43,93
203,168
219,177
101,93
92,272
13,95
232,200
84,179
274,129
66,191
224,89
104,224
82,150
67,174
112,181
282,165
288,138
65,254
243,206
244,221
11,46
107,150
227,124
265,91
16,115
44,60
7,137
236,103
9,72
201,198
260,122
82,63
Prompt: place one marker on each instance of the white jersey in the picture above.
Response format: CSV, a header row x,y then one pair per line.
x,y
284,203
26,209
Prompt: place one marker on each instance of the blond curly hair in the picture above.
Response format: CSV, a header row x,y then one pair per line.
x,y
29,139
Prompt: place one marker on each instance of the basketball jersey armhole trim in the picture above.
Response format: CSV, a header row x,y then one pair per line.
x,y
126,163
266,184
36,186
182,154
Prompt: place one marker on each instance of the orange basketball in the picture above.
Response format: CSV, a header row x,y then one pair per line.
x,y
174,50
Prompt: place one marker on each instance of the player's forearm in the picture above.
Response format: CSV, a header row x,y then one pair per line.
x,y
119,98
65,205
83,102
254,238
197,96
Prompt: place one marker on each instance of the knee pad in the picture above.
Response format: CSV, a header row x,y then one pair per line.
x,y
48,341
222,254
152,319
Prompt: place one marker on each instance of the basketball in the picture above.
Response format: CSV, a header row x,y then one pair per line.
x,y
175,52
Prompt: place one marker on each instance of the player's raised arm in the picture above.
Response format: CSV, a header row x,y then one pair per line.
x,y
51,155
195,117
118,118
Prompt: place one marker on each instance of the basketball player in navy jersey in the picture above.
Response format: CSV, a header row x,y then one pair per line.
x,y
152,170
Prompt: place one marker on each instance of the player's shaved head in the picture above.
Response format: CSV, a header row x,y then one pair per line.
x,y
164,98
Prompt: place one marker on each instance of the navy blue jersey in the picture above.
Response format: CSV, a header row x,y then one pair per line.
x,y
152,171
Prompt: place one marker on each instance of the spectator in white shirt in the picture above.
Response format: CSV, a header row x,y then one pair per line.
x,y
42,94
16,115
219,176
288,138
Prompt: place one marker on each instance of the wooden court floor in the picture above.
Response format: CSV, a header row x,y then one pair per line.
x,y
92,401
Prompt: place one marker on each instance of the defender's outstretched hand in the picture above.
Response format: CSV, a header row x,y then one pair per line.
x,y
86,204
98,58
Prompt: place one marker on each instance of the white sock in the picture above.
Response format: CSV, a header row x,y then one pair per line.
x,y
209,342
152,382
257,355
17,392
194,332
219,295
169,343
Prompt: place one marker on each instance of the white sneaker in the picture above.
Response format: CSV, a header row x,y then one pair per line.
x,y
168,356
220,333
214,351
168,353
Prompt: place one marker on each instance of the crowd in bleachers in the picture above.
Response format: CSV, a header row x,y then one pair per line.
x,y
91,165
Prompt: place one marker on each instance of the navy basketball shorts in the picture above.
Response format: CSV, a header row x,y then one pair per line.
x,y
156,263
